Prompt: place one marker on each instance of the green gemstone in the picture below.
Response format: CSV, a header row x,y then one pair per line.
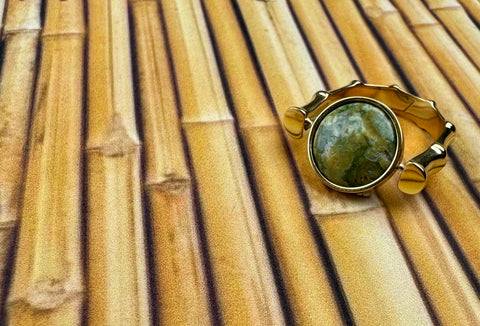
x,y
354,144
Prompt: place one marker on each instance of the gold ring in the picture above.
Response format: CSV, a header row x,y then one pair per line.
x,y
356,142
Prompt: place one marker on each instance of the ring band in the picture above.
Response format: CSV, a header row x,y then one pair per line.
x,y
356,142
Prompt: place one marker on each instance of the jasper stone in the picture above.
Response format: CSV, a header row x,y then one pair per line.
x,y
354,144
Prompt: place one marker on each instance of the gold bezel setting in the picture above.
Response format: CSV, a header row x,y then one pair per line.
x,y
394,164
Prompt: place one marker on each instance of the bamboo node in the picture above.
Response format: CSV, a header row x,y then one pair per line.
x,y
445,6
4,127
12,32
47,294
378,11
136,1
7,207
118,142
6,225
171,183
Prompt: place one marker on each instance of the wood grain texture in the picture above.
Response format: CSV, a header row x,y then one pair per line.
x,y
303,274
47,287
180,275
117,269
16,92
243,278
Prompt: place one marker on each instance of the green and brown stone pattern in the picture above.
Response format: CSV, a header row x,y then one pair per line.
x,y
354,144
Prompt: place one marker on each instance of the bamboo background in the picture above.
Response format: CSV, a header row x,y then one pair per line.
x,y
145,178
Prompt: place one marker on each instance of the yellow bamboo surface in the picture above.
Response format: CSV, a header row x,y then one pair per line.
x,y
472,7
286,219
16,91
448,56
436,272
117,270
47,284
167,181
242,274
2,11
145,177
463,29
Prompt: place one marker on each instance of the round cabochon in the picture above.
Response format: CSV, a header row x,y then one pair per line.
x,y
354,144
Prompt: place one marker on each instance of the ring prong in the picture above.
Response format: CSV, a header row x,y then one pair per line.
x,y
294,121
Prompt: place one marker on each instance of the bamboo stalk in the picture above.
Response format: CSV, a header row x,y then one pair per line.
x,y
456,67
16,91
181,283
447,288
460,213
365,48
47,281
473,9
442,279
452,198
364,218
2,13
412,58
243,279
368,260
288,87
117,268
361,43
293,46
303,78
448,291
425,272
303,274
459,24
22,16
323,40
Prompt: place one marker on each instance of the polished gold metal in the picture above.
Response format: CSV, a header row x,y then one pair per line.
x,y
423,113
